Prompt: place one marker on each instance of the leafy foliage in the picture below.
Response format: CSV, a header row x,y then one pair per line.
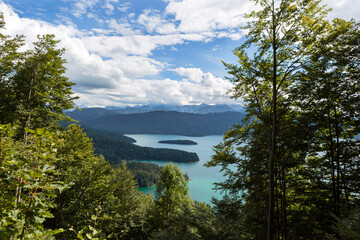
x,y
291,161
146,174
28,183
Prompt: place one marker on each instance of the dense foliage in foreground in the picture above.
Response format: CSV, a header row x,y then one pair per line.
x,y
293,162
52,184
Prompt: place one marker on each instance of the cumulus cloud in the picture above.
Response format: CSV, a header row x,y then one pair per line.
x,y
216,18
80,7
124,7
114,65
204,15
121,27
111,70
191,74
209,90
345,9
109,6
154,21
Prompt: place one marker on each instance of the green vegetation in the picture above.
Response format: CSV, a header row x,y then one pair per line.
x,y
181,142
93,133
295,153
291,166
115,150
51,182
160,122
146,174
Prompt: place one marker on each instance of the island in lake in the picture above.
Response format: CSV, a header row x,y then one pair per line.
x,y
181,142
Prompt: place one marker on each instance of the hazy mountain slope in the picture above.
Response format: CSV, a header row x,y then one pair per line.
x,y
202,108
162,122
89,113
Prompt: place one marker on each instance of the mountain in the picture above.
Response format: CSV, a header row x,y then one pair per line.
x,y
202,108
88,113
158,122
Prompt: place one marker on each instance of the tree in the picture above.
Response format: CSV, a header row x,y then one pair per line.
x,y
125,212
171,198
282,34
51,181
40,87
329,87
9,59
33,83
171,191
28,183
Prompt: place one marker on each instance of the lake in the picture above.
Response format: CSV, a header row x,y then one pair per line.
x,y
202,178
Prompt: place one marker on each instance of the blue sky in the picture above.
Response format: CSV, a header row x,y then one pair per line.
x,y
126,52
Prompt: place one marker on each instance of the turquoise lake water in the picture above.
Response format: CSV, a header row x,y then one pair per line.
x,y
201,186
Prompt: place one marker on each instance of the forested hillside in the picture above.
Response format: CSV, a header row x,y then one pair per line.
x,y
146,174
159,122
115,150
93,133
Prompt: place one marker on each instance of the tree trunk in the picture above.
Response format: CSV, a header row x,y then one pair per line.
x,y
273,135
332,161
338,189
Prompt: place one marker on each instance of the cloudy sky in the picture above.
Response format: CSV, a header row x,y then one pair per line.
x,y
126,52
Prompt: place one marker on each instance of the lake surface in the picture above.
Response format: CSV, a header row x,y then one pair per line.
x,y
201,186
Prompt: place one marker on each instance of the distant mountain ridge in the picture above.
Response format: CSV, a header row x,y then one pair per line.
x,y
158,122
201,109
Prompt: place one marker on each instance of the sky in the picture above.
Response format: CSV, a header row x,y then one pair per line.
x,y
127,52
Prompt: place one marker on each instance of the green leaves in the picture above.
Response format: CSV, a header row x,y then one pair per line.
x,y
298,75
27,183
33,84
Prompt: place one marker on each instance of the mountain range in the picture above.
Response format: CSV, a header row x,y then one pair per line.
x,y
201,109
157,122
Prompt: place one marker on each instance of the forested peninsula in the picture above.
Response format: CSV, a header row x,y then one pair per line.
x,y
113,147
180,142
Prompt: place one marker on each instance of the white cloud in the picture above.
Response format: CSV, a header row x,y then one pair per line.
x,y
109,6
191,74
124,7
156,22
345,9
114,46
205,15
124,28
209,90
110,70
80,7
